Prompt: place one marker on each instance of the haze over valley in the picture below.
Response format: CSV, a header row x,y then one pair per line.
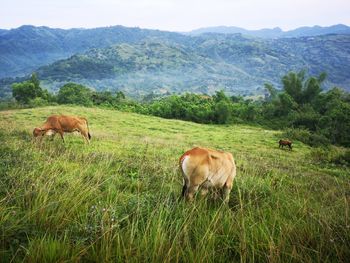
x,y
142,61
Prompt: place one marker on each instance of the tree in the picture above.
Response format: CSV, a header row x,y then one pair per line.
x,y
220,96
28,90
34,79
120,95
222,112
293,85
72,93
302,90
272,91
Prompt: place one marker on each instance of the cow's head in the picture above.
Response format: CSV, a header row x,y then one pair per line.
x,y
38,132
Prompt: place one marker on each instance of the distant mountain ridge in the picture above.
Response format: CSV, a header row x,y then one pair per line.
x,y
26,48
237,64
274,32
139,61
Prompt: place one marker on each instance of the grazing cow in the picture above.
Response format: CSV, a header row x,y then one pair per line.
x,y
283,143
61,124
206,168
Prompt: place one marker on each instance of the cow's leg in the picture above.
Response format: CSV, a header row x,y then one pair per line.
x,y
184,187
52,136
84,132
41,139
190,191
86,137
204,191
226,193
227,188
61,134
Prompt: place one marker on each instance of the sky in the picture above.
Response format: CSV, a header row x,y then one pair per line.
x,y
174,15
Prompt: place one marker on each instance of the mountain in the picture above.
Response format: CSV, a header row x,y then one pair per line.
x,y
317,31
264,33
237,64
26,48
139,61
274,32
150,66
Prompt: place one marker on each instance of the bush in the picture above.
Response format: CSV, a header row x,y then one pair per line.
x,y
38,102
331,155
305,136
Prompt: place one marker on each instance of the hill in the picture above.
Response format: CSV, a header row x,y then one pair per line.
x,y
139,61
117,198
275,32
26,48
236,64
148,67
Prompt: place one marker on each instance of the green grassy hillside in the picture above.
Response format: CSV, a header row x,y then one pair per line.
x,y
116,200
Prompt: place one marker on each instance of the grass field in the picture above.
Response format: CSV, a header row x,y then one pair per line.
x,y
116,200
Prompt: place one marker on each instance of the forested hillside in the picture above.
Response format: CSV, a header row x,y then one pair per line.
x,y
138,61
26,48
233,63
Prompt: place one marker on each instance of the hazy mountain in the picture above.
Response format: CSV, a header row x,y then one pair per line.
x,y
266,32
26,48
140,61
275,32
317,31
147,67
211,62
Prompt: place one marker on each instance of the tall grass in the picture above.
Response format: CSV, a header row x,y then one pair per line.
x,y
117,200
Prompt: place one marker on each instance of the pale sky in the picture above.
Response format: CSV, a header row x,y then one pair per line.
x,y
174,15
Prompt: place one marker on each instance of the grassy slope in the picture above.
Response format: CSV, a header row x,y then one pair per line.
x,y
116,199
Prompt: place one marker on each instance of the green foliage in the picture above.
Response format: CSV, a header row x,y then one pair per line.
x,y
72,93
302,90
300,105
333,155
305,136
38,102
26,91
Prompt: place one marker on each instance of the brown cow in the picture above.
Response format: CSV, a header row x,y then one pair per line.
x,y
207,168
283,143
61,124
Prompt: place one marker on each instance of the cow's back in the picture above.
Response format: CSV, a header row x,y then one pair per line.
x,y
206,164
221,166
69,123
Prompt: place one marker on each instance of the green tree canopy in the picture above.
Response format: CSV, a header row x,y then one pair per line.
x,y
72,93
28,90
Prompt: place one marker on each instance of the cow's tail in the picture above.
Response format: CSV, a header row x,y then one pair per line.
x,y
185,180
87,125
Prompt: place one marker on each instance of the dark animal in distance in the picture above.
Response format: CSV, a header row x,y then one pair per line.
x,y
283,143
205,168
61,124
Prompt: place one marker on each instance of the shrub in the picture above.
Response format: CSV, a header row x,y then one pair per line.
x,y
305,136
38,102
331,155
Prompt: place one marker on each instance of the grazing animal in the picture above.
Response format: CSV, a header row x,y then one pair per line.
x,y
283,143
206,168
61,124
